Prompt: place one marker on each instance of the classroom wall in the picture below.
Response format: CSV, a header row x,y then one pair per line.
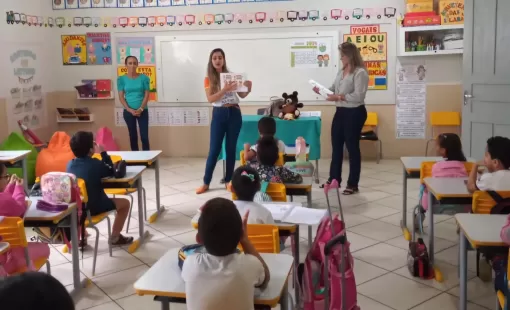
x,y
443,92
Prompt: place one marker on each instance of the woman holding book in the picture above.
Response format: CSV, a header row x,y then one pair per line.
x,y
134,95
349,91
226,117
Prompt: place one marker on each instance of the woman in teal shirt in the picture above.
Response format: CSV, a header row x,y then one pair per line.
x,y
134,95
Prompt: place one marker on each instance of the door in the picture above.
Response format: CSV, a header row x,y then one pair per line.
x,y
486,74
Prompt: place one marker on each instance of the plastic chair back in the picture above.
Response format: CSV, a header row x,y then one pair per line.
x,y
483,202
265,238
115,158
83,191
444,119
279,162
372,119
12,231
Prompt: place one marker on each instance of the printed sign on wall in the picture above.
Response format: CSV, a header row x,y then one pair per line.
x,y
140,47
74,49
99,48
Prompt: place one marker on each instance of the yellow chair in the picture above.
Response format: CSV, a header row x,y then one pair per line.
x,y
92,221
483,202
441,119
265,238
279,162
124,191
502,298
370,133
276,191
12,230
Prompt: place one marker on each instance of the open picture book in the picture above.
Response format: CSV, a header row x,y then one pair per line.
x,y
295,214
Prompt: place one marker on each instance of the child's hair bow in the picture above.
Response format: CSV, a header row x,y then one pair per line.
x,y
246,174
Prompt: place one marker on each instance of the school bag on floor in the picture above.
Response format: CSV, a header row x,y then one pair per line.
x,y
327,280
104,137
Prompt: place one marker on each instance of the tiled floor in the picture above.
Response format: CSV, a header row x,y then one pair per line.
x,y
372,217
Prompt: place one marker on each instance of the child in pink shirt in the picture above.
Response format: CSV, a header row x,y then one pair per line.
x,y
12,204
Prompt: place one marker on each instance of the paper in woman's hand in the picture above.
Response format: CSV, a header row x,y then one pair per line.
x,y
234,77
323,91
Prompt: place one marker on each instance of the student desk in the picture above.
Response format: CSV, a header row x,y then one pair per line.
x,y
148,159
303,189
163,280
133,178
68,218
479,230
307,127
12,157
446,191
412,167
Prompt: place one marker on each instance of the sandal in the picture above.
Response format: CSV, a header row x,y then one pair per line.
x,y
121,240
202,189
350,190
324,184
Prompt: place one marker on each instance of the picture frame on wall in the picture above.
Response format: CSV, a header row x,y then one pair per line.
x,y
205,1
124,4
150,3
59,4
219,1
84,4
164,2
178,2
98,3
137,3
192,2
110,3
71,4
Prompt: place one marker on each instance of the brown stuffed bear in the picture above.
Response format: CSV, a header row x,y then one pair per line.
x,y
289,107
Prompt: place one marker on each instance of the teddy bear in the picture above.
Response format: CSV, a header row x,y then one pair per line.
x,y
289,107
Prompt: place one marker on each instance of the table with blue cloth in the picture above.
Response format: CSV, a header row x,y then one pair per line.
x,y
287,131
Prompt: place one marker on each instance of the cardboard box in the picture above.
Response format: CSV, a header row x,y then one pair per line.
x,y
451,12
416,6
421,19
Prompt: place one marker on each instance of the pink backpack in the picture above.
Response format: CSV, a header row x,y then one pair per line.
x,y
104,137
312,277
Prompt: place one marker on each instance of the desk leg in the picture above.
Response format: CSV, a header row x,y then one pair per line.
x,y
24,170
143,234
296,265
165,303
160,208
431,227
403,222
463,271
284,298
309,202
75,255
222,181
317,171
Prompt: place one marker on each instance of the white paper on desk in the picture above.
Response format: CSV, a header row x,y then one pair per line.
x,y
279,211
323,91
234,77
304,216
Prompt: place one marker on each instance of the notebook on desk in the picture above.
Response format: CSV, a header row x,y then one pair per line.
x,y
293,214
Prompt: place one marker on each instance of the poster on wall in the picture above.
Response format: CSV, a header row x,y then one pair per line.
x,y
149,3
178,2
84,4
58,5
310,53
110,3
170,116
99,48
137,3
74,49
26,100
98,3
149,71
164,2
140,47
411,101
372,44
124,3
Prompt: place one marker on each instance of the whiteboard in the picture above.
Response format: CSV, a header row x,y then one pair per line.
x,y
264,58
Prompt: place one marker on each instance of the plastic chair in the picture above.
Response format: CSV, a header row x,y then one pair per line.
x,y
124,191
502,297
279,162
372,123
441,119
483,202
276,191
265,238
92,221
12,230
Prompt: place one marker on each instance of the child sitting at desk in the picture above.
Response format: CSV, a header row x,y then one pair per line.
x,y
267,155
267,128
92,171
12,204
221,278
449,147
246,184
497,162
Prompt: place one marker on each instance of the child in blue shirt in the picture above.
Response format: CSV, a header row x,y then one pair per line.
x,y
92,171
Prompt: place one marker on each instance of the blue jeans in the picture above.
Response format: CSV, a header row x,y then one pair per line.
x,y
346,129
226,123
143,123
